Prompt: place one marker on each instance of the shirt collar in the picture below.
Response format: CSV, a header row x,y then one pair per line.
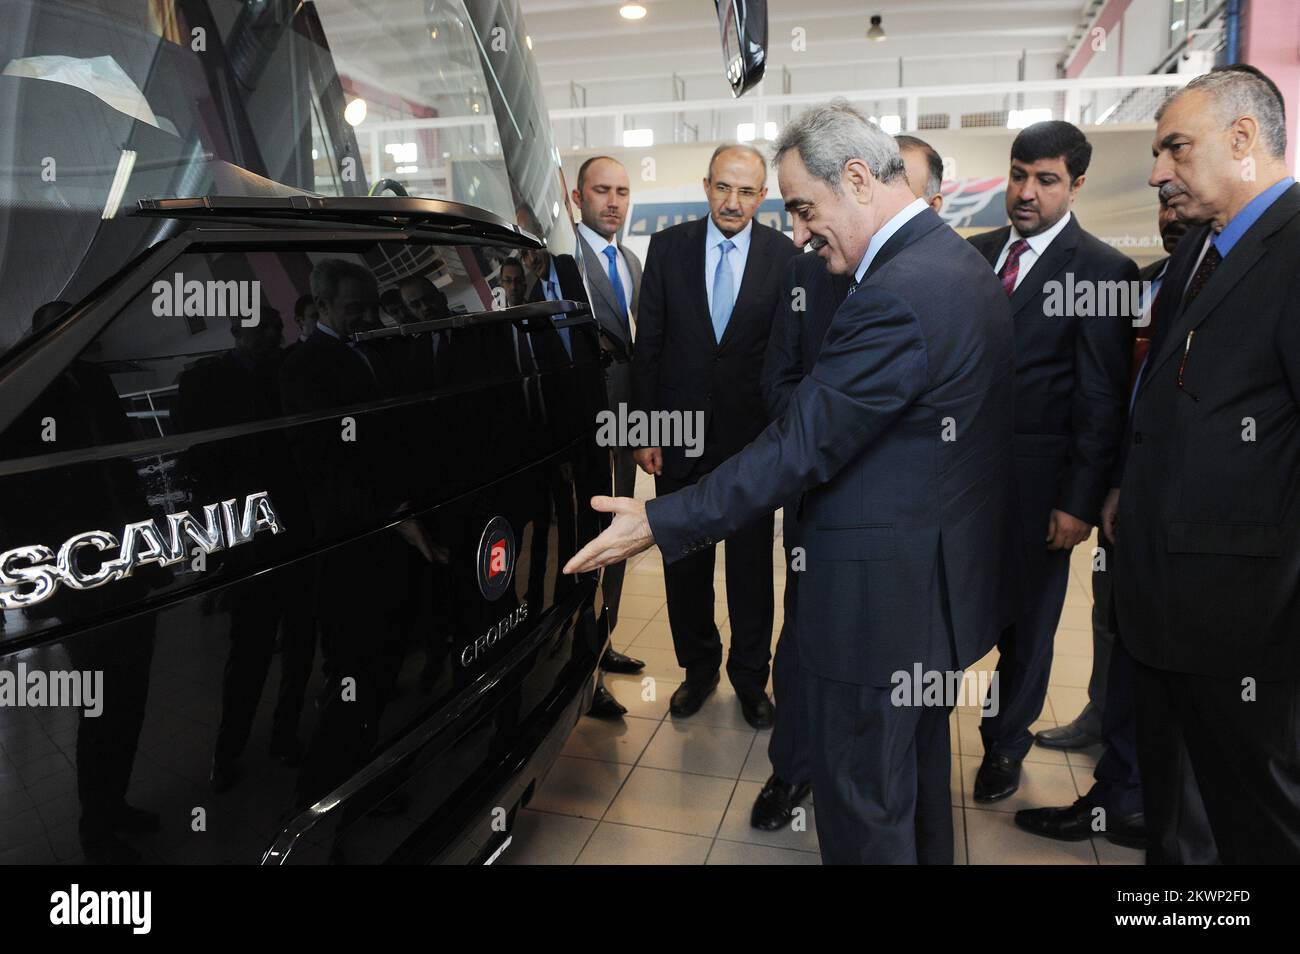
x,y
886,232
321,326
1243,220
597,241
713,236
1040,241
555,276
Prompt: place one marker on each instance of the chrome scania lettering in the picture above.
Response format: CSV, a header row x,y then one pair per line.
x,y
489,639
31,574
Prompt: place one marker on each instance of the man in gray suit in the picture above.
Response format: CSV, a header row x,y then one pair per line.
x,y
614,277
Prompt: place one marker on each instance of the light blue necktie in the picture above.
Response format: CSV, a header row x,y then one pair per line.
x,y
724,295
619,293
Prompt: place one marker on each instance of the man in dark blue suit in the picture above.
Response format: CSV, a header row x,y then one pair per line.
x,y
900,442
1072,366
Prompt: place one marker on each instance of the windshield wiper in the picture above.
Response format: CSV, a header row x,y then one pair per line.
x,y
397,212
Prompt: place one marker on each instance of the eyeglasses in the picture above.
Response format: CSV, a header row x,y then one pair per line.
x,y
746,194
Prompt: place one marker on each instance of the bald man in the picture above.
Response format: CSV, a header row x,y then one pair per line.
x,y
924,169
712,288
602,196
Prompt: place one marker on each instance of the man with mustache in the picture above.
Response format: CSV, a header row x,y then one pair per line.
x,y
1072,375
1207,524
710,292
1113,805
1085,729
898,446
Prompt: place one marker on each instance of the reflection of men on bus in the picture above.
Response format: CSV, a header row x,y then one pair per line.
x,y
513,281
349,482
242,386
84,406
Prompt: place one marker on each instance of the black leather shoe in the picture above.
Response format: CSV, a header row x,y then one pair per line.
x,y
605,706
688,698
998,778
104,848
1129,831
614,661
1073,823
757,709
135,821
1077,822
225,776
776,803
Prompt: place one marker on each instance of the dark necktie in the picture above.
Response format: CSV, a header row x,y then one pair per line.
x,y
1209,262
1011,267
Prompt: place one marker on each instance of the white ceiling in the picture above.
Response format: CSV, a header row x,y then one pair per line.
x,y
621,61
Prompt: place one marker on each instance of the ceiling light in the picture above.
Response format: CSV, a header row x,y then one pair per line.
x,y
638,138
891,124
876,32
528,41
355,112
631,11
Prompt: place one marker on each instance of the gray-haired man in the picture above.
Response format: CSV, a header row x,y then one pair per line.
x,y
904,518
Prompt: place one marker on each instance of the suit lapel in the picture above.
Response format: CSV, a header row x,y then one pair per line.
x,y
599,282
694,273
1250,248
922,223
1044,269
633,269
755,266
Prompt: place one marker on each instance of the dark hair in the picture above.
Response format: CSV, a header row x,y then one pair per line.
x,y
300,306
391,300
516,262
582,169
1052,139
933,161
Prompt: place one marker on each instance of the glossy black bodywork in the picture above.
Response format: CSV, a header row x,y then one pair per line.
x,y
358,639
447,736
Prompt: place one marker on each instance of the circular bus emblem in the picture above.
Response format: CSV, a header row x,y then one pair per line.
x,y
496,558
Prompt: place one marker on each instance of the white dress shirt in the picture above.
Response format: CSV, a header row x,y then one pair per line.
x,y
1037,246
886,232
598,245
736,258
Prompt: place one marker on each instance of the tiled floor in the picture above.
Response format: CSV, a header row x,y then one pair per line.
x,y
657,790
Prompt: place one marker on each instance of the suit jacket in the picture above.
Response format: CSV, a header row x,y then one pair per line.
x,y
1208,548
1142,336
678,366
904,530
1072,377
810,294
604,304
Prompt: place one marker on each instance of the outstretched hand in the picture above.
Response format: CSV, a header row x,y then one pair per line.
x,y
627,535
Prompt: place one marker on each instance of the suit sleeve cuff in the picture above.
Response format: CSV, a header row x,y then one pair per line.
x,y
673,528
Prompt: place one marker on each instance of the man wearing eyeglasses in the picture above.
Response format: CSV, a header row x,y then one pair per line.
x,y
708,296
